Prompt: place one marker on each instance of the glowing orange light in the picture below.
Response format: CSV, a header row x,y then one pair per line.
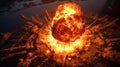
x,y
68,24
65,33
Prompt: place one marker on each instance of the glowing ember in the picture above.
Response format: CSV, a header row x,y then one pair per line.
x,y
68,24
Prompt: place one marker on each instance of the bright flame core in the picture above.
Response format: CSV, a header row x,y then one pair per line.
x,y
68,24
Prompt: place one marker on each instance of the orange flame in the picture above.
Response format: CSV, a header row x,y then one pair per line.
x,y
68,24
63,34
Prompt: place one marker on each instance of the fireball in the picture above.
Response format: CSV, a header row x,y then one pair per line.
x,y
68,24
65,32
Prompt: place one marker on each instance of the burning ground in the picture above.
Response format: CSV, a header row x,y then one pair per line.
x,y
66,39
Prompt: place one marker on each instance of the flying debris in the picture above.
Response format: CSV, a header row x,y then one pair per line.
x,y
65,40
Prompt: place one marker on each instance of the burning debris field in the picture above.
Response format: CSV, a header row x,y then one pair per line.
x,y
68,38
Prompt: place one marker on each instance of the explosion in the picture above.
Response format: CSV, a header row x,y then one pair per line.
x,y
65,40
65,32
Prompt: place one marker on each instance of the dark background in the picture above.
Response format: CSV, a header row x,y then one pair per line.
x,y
10,16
